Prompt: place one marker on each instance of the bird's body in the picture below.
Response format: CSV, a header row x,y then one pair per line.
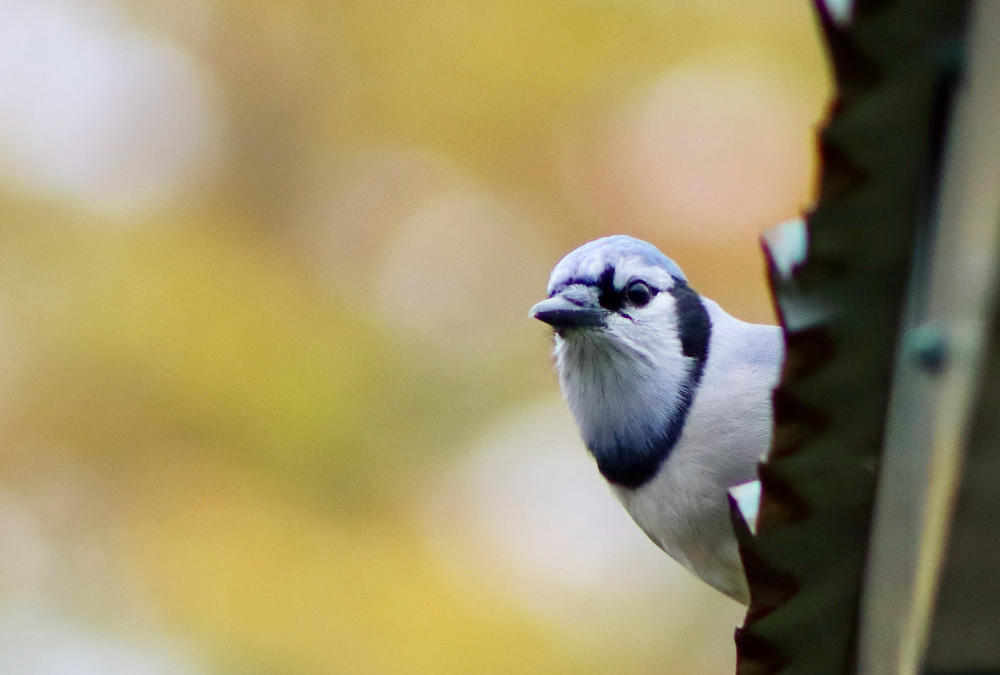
x,y
672,395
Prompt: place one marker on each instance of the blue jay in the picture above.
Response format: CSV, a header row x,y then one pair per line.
x,y
671,394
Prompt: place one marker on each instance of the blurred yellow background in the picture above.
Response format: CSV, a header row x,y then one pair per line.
x,y
270,399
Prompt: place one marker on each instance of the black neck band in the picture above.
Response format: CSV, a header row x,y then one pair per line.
x,y
630,466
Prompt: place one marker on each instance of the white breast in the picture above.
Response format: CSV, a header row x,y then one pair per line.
x,y
684,509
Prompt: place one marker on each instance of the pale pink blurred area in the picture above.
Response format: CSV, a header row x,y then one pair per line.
x,y
686,163
457,275
270,397
700,160
352,205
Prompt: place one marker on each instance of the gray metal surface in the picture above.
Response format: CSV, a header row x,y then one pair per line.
x,y
936,400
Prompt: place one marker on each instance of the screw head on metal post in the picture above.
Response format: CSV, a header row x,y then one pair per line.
x,y
927,347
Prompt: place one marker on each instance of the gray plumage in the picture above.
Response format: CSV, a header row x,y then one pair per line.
x,y
671,394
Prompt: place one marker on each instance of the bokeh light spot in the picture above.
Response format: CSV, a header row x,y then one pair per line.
x,y
457,274
712,144
96,111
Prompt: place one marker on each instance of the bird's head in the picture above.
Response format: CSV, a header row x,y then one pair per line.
x,y
632,339
624,292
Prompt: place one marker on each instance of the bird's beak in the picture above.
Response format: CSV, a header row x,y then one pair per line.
x,y
560,312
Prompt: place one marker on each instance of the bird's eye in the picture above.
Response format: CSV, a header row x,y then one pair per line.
x,y
638,293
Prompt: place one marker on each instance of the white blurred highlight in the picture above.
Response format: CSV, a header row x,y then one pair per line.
x,y
45,645
43,575
528,506
97,112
